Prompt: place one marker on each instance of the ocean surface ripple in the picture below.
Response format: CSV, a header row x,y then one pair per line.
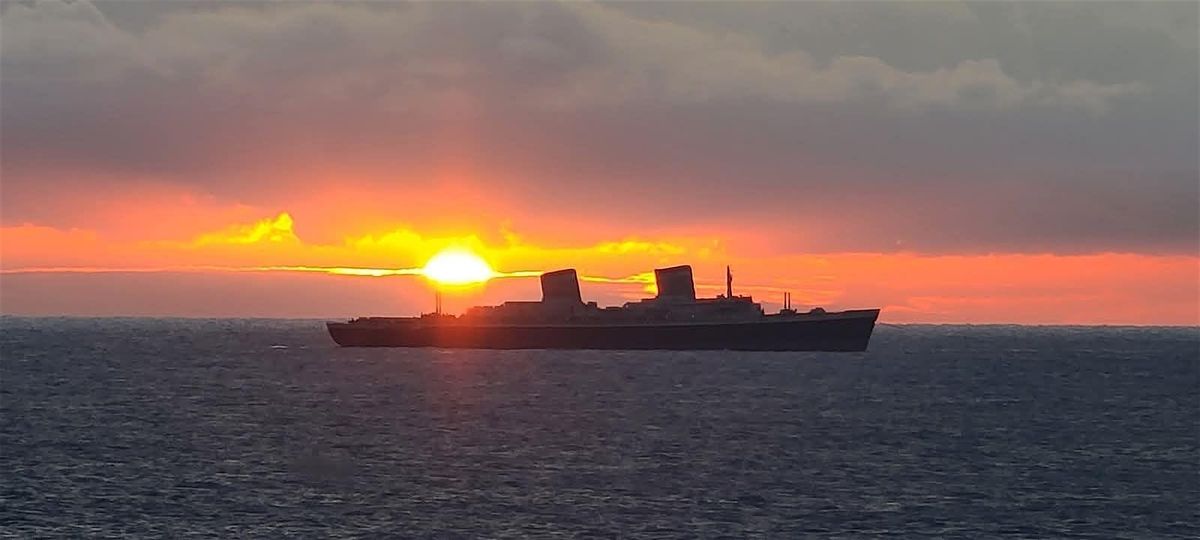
x,y
242,428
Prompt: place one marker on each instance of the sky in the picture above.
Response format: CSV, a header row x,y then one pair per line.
x,y
991,162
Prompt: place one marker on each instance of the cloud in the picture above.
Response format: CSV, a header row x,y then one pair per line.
x,y
680,64
569,55
96,276
813,127
271,243
277,229
67,42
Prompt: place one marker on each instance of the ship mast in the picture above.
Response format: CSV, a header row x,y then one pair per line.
x,y
728,282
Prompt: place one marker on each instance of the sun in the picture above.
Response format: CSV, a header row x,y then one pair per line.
x,y
457,267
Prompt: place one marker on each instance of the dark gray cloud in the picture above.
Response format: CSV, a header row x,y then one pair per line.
x,y
938,127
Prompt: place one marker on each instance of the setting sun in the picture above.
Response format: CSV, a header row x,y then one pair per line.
x,y
457,267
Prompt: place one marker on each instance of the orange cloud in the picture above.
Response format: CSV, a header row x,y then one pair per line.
x,y
1101,288
277,229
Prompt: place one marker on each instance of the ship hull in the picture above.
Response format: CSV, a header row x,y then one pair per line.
x,y
843,331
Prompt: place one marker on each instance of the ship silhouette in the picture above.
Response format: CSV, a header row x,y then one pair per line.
x,y
674,319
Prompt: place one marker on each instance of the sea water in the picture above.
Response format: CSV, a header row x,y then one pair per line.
x,y
239,428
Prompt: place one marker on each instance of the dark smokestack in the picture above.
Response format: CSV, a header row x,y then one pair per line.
x,y
675,284
561,286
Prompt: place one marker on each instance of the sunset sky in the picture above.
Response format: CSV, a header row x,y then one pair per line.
x,y
947,162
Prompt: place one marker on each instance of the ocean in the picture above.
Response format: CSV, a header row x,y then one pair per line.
x,y
264,428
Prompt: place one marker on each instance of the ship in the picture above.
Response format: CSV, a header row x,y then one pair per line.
x,y
674,319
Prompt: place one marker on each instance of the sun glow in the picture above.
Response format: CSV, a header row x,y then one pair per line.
x,y
457,267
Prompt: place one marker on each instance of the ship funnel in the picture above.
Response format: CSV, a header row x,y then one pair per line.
x,y
561,286
675,284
